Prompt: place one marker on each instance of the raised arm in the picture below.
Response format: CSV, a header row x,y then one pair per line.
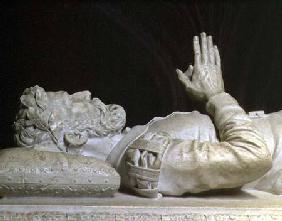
x,y
158,163
241,155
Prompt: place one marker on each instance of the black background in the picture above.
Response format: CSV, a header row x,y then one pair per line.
x,y
126,53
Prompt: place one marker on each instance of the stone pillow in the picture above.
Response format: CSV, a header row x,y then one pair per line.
x,y
24,171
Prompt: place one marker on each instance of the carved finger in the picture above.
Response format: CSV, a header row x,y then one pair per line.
x,y
143,159
189,71
133,156
151,160
184,79
197,51
211,50
158,162
136,157
217,57
204,47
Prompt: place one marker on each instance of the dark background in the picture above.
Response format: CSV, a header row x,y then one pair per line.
x,y
126,53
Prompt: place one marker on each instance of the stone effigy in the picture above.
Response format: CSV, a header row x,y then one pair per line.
x,y
174,155
72,147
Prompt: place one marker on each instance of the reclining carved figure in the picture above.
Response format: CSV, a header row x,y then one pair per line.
x,y
180,153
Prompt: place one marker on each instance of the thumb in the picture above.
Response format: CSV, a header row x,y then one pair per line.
x,y
184,79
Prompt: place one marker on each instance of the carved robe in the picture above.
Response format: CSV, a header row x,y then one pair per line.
x,y
195,160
